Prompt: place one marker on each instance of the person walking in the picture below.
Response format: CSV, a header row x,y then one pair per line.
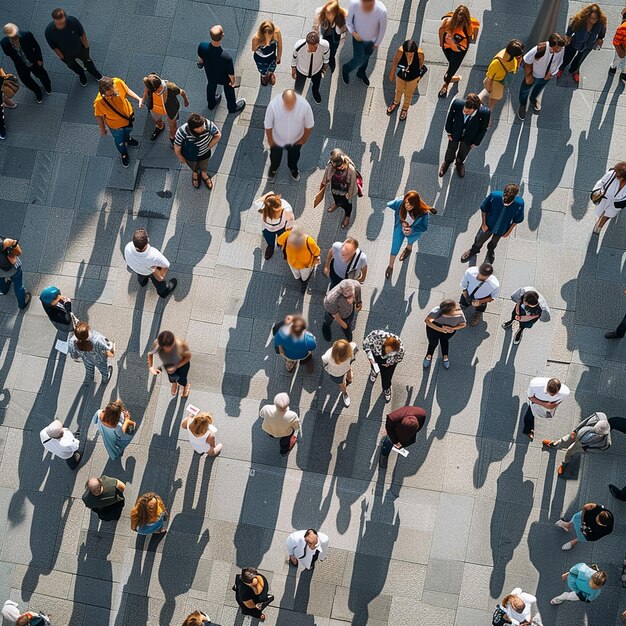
x,y
407,68
11,272
113,111
544,397
161,99
148,515
252,593
116,428
281,423
592,523
500,73
276,216
68,39
584,582
345,260
58,308
201,433
620,331
288,124
479,287
530,307
541,63
267,48
518,607
105,497
501,212
401,427
295,343
609,195
466,126
24,50
619,43
61,442
330,23
384,351
220,70
593,433
337,361
148,263
193,144
310,60
175,358
410,221
367,23
306,547
93,349
342,175
197,618
342,304
12,613
586,32
301,253
442,322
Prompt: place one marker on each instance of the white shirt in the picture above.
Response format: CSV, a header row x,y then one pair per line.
x,y
537,388
278,423
370,26
298,547
540,66
525,615
143,263
285,220
612,193
288,126
491,287
302,58
199,442
337,369
63,447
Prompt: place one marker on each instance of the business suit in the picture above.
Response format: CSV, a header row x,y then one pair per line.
x,y
32,52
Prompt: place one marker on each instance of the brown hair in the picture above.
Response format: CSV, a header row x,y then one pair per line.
x,y
620,170
418,206
393,342
599,578
553,386
104,84
447,306
58,14
507,599
271,204
298,325
152,82
195,120
579,20
340,14
266,26
166,338
195,619
142,510
462,19
200,424
555,39
341,351
112,412
140,239
472,101
81,332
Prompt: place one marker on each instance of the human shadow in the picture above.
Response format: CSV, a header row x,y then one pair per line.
x,y
8,347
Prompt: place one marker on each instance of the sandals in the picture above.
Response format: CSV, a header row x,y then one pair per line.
x,y
174,390
443,92
392,107
388,273
406,253
403,115
195,180
332,208
186,390
208,181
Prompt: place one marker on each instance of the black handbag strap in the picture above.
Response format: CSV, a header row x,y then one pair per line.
x,y
480,284
114,109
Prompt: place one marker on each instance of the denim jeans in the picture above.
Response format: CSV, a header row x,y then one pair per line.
x,y
270,236
361,53
121,137
386,446
18,286
533,90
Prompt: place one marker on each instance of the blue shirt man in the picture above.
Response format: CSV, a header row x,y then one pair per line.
x,y
294,342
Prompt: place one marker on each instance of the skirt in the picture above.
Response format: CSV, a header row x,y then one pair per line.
x,y
150,529
265,65
577,521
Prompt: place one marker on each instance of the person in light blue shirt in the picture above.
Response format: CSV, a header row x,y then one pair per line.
x,y
295,343
585,584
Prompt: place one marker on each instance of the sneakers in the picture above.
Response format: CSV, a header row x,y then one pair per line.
x,y
387,393
326,331
110,373
536,105
317,96
346,399
507,325
364,79
156,132
567,546
478,316
561,524
373,376
612,70
521,113
518,336
271,175
125,160
491,256
295,174
83,80
133,143
345,77
171,285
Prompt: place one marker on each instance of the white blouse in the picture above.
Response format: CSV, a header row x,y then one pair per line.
x,y
199,443
612,194
525,615
337,369
284,221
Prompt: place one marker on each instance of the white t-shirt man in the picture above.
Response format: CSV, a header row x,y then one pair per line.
x,y
288,126
489,287
64,447
143,263
549,61
537,388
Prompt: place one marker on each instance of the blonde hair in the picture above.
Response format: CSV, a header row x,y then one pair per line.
x,y
341,351
266,26
200,423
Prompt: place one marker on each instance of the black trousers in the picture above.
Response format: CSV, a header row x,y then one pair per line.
x,y
229,94
329,319
284,442
454,63
84,57
436,338
523,325
386,373
344,203
180,375
333,43
465,303
456,151
574,58
293,156
160,285
316,79
529,421
39,72
482,237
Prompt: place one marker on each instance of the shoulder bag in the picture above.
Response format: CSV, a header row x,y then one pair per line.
x,y
500,618
597,195
130,118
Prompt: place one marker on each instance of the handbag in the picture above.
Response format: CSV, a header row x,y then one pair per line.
x,y
130,118
10,85
597,195
500,618
189,150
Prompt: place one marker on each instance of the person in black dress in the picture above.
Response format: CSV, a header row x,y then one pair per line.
x,y
252,593
406,70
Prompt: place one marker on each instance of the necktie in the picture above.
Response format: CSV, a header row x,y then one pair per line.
x,y
311,66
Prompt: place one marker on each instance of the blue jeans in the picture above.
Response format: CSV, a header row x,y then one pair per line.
x,y
398,238
533,90
121,137
361,53
270,236
18,286
386,446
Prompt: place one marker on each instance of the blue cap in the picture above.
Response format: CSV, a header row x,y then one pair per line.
x,y
48,295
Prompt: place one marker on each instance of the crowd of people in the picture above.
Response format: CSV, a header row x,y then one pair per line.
x,y
289,122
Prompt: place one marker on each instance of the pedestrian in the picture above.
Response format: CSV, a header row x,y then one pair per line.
x,y
500,72
276,216
345,260
197,618
310,60
384,351
288,124
148,515
116,428
609,195
175,357
342,304
479,287
68,39
544,397
530,307
306,547
252,593
24,50
161,99
466,126
541,63
620,331
113,110
148,263
295,343
410,221
592,523
12,613
60,441
501,212
518,608
619,43
367,23
457,31
442,322
267,48
58,308
337,361
407,68
201,433
342,175
585,583
280,422
301,253
330,23
593,433
586,32
93,349
220,70
11,272
401,427
105,497
193,144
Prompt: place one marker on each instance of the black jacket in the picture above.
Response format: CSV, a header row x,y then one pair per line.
x,y
476,128
29,45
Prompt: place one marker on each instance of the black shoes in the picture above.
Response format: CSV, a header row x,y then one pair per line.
x,y
617,493
317,96
491,256
27,300
521,113
240,106
133,143
518,336
383,460
507,325
83,80
125,160
271,175
612,335
39,97
157,131
171,285
345,77
364,79
295,174
218,99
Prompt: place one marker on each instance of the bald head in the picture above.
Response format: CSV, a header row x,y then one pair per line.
x,y
217,33
95,486
289,98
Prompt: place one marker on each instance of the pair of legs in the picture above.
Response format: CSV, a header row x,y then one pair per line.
x,y
454,63
532,91
328,320
386,374
575,525
293,156
39,72
343,202
436,338
489,101
229,94
456,151
574,58
404,92
567,595
482,237
618,63
270,240
361,53
522,325
396,244
333,43
84,57
160,124
316,80
22,297
307,361
199,171
103,367
478,311
286,443
122,138
74,461
266,70
178,378
163,287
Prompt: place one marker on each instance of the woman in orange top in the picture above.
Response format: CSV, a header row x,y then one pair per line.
x,y
161,98
148,515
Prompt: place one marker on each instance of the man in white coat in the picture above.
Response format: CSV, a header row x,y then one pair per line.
x,y
62,443
305,547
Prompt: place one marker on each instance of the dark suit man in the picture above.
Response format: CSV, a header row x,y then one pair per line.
x,y
22,48
466,126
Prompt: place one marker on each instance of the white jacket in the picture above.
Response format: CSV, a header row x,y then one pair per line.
x,y
297,546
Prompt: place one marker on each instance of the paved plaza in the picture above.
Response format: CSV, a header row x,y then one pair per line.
x,y
440,536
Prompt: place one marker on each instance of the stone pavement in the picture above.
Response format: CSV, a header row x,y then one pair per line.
x,y
435,540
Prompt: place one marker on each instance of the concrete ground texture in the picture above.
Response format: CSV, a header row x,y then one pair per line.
x,y
443,534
